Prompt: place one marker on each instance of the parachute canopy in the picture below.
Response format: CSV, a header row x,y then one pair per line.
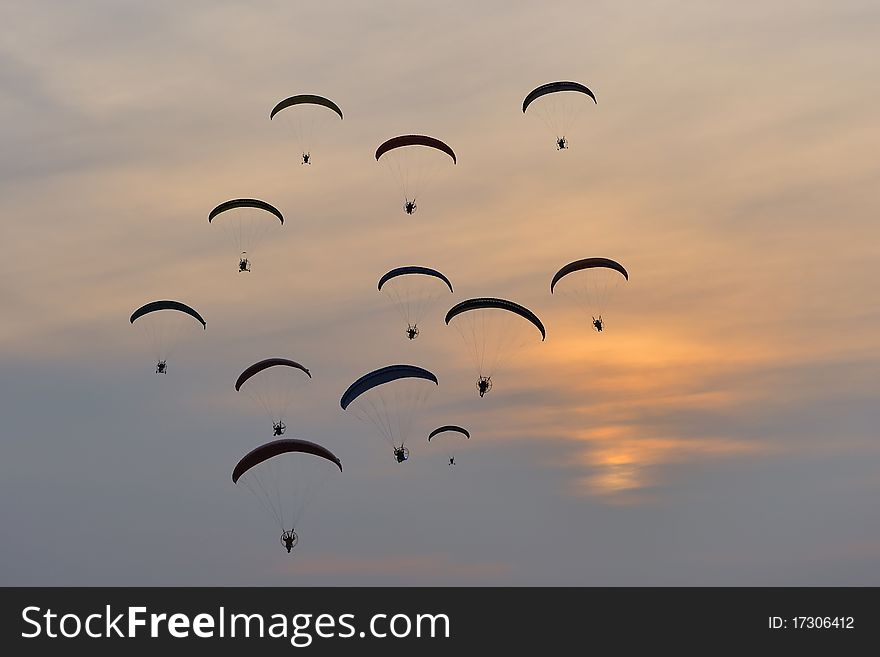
x,y
256,368
414,290
414,161
283,446
305,118
382,376
273,384
245,221
587,263
559,105
164,325
284,475
154,306
483,303
492,329
405,271
450,428
305,99
556,87
388,399
415,140
237,203
591,283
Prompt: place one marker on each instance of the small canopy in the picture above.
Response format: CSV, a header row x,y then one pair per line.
x,y
245,203
449,427
554,87
404,271
305,99
256,368
153,306
415,140
587,263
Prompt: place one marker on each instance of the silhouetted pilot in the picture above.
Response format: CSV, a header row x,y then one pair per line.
x,y
484,385
161,367
289,540
598,324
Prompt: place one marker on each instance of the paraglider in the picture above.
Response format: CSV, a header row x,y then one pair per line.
x,y
492,329
558,105
414,290
246,221
306,116
450,436
283,476
413,159
164,323
591,283
273,384
388,399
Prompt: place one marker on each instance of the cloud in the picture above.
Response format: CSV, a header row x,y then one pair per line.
x,y
730,164
426,568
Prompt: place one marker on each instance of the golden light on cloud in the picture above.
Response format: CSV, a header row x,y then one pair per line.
x,y
621,395
730,166
621,458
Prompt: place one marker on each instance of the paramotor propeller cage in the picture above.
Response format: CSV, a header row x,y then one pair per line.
x,y
401,454
484,385
289,539
243,262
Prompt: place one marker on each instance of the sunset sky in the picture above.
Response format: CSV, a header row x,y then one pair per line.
x,y
723,430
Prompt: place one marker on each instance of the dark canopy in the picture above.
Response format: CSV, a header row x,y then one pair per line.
x,y
305,99
587,263
167,305
380,376
449,427
553,87
284,446
245,203
256,368
415,140
501,304
403,271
